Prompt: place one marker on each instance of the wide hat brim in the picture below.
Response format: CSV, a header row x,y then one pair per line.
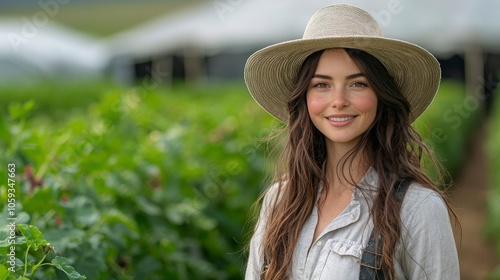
x,y
270,73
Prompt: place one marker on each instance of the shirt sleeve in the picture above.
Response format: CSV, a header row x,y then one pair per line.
x,y
428,248
255,258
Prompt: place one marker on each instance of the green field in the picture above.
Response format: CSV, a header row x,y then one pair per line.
x,y
128,183
102,18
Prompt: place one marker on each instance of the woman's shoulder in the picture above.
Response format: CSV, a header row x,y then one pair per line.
x,y
421,203
419,193
427,248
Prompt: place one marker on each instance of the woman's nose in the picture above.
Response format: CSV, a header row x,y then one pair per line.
x,y
338,98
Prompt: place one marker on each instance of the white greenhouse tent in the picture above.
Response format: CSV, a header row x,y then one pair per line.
x,y
31,51
212,41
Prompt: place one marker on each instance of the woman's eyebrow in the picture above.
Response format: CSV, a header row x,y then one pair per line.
x,y
349,77
353,76
320,76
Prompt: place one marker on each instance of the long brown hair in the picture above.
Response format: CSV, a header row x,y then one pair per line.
x,y
299,170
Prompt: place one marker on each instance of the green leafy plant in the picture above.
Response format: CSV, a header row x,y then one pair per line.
x,y
36,249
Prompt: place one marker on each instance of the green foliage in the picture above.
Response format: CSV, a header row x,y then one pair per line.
x,y
495,274
31,240
447,124
493,203
151,184
52,100
143,184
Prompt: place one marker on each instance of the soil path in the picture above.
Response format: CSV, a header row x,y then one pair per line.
x,y
477,257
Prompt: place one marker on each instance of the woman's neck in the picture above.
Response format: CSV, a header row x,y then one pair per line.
x,y
342,169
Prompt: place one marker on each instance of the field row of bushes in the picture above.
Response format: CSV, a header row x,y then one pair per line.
x,y
493,202
152,184
447,126
141,184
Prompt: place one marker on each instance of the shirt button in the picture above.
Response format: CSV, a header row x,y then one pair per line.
x,y
351,216
342,249
319,243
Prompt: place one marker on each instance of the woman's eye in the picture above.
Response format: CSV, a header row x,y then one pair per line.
x,y
359,84
320,85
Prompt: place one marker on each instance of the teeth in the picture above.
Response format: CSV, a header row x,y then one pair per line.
x,y
343,119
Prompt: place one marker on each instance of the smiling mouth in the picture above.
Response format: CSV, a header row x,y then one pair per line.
x,y
341,119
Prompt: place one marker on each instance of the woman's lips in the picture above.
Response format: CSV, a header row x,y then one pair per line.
x,y
340,120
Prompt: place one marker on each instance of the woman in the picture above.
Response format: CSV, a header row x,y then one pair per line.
x,y
350,200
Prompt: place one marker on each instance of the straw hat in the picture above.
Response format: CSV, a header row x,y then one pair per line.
x,y
270,72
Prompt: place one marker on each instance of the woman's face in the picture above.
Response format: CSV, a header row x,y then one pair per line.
x,y
341,102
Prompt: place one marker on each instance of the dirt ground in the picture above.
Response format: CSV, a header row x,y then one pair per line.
x,y
477,257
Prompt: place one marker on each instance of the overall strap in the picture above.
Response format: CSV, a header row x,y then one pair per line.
x,y
371,260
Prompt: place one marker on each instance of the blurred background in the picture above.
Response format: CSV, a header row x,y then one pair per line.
x,y
139,152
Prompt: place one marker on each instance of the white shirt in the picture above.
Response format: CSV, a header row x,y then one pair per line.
x,y
426,249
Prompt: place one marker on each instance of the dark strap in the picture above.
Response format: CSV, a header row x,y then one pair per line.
x,y
371,260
